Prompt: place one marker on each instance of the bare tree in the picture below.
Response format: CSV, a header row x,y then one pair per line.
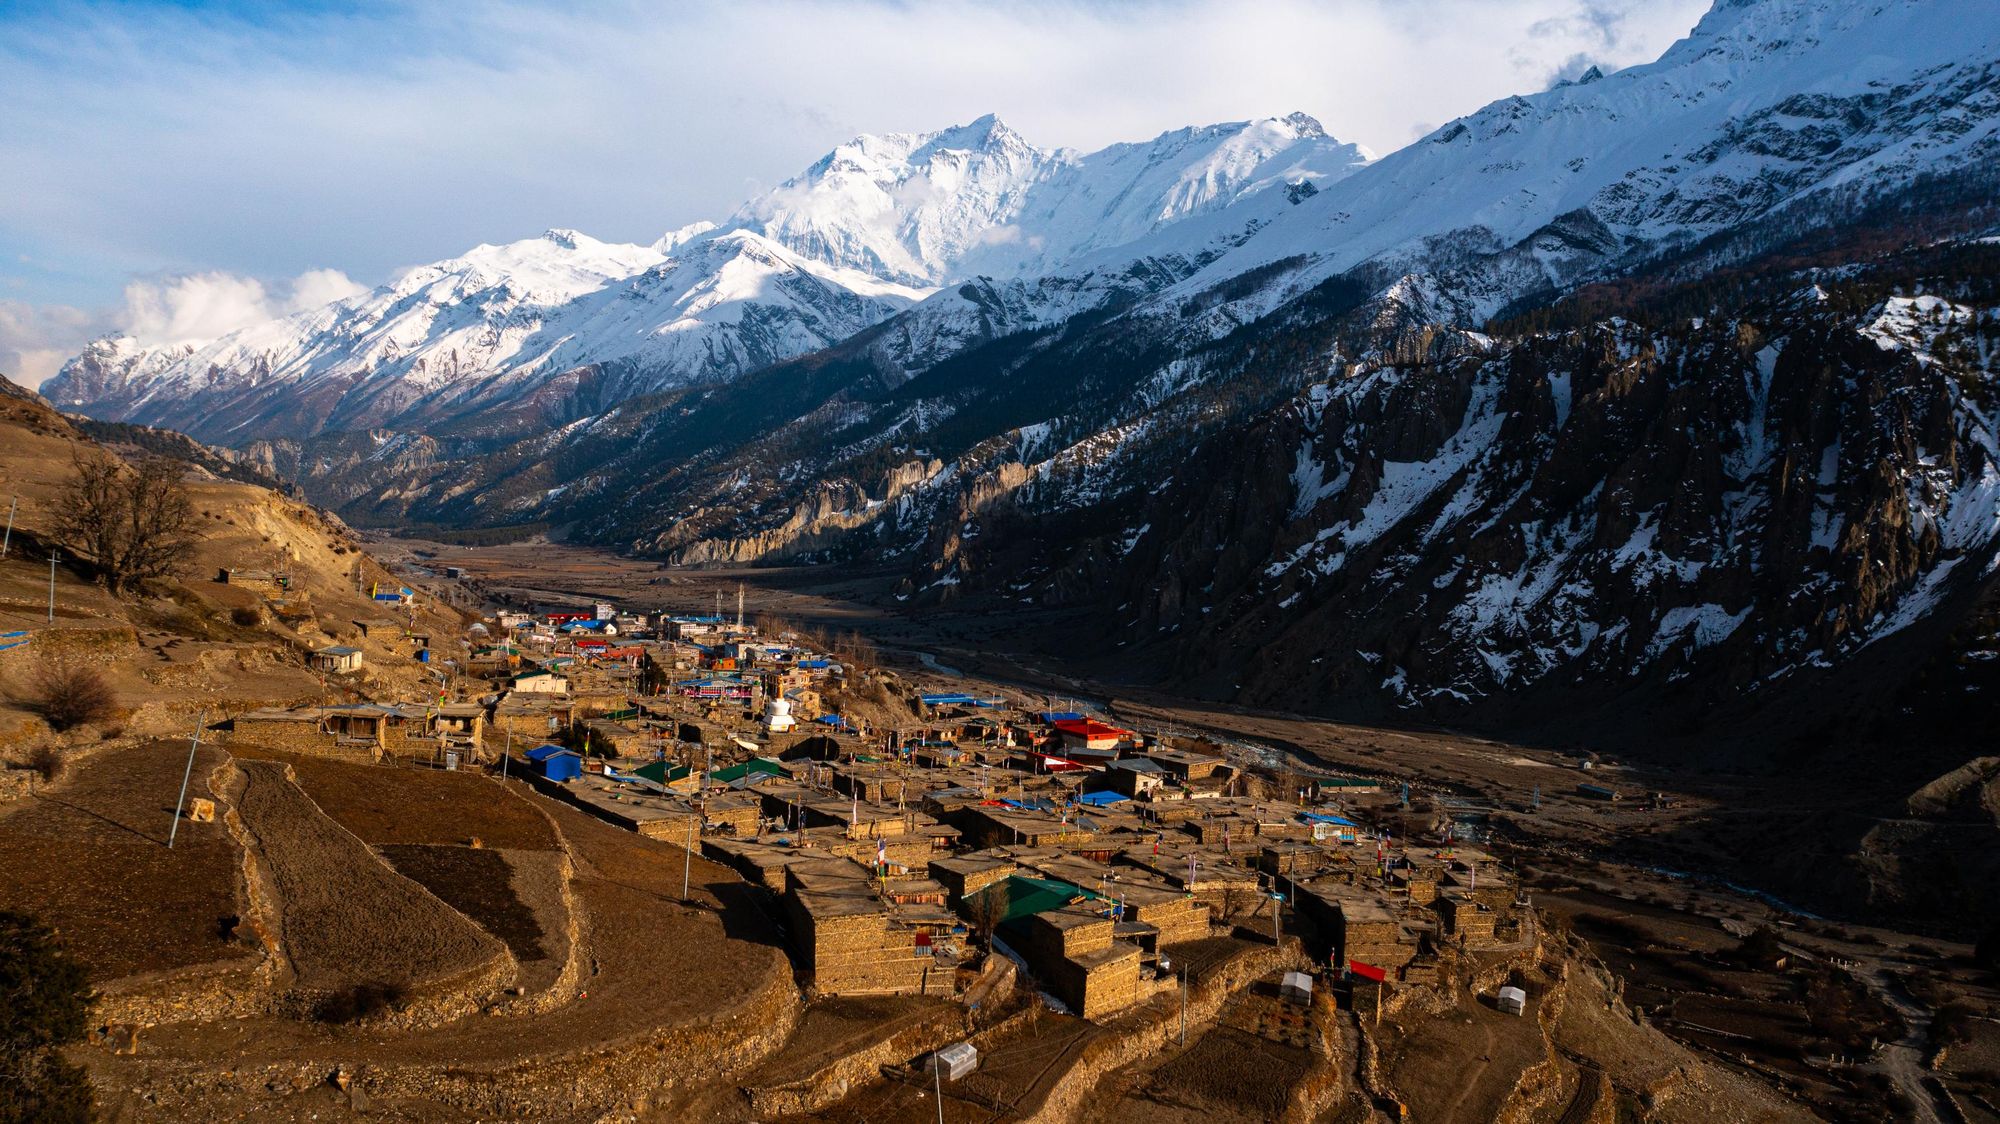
x,y
987,909
71,693
129,524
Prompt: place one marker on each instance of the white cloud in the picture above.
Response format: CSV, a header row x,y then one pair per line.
x,y
197,306
404,132
203,306
317,287
36,339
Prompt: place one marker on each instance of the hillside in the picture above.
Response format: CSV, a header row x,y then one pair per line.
x,y
187,644
1616,399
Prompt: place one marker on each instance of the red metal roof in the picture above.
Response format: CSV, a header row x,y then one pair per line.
x,y
1090,728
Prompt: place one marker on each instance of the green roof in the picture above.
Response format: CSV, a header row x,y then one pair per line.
x,y
661,772
762,765
1026,896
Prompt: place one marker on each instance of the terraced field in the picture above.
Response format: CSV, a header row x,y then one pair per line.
x,y
348,919
90,857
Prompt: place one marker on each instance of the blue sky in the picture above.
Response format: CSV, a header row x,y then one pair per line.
x,y
175,168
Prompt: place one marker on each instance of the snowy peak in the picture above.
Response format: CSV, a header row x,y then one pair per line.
x,y
902,206
978,199
1765,107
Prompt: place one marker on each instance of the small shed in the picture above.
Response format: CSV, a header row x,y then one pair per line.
x,y
557,763
339,658
1513,1001
956,1060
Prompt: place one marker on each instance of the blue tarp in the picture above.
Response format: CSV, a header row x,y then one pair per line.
x,y
946,700
1100,799
832,720
1321,817
1061,716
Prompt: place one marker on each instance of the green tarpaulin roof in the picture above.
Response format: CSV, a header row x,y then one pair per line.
x,y
660,772
755,765
1026,896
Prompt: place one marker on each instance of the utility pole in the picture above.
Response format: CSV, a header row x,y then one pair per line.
x,y
53,555
937,1083
194,744
1277,910
687,861
8,541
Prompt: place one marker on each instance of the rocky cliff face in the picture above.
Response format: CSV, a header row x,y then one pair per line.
x,y
1582,518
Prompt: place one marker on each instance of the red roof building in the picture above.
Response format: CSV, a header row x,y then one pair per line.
x,y
1088,733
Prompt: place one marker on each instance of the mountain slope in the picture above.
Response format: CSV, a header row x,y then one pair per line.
x,y
979,200
1768,107
508,338
447,340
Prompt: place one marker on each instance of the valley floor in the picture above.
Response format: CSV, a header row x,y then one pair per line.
x,y
1644,883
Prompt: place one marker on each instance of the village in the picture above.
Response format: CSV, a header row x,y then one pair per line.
x,y
906,831
416,830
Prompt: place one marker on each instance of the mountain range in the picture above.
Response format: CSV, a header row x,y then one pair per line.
x,y
547,329
1648,390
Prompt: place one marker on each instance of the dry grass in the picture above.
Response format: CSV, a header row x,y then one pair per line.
x,y
91,859
389,806
348,919
475,882
1230,1075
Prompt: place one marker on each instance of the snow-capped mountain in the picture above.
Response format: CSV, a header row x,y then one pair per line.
x,y
446,340
864,233
1769,111
979,200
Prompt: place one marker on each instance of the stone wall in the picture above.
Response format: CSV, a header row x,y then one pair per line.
x,y
838,1079
1158,1022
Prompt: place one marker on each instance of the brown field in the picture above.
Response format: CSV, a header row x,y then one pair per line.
x,y
1227,1075
1457,1066
348,919
477,883
90,857
655,968
836,1027
386,806
1209,954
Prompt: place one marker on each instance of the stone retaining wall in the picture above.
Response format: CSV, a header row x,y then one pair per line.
x,y
835,1081
1111,1051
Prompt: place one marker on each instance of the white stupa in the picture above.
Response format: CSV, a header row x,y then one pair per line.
x,y
778,715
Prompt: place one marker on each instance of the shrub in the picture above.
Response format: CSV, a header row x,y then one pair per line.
x,y
1953,1024
48,760
363,1001
44,1005
71,694
247,616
